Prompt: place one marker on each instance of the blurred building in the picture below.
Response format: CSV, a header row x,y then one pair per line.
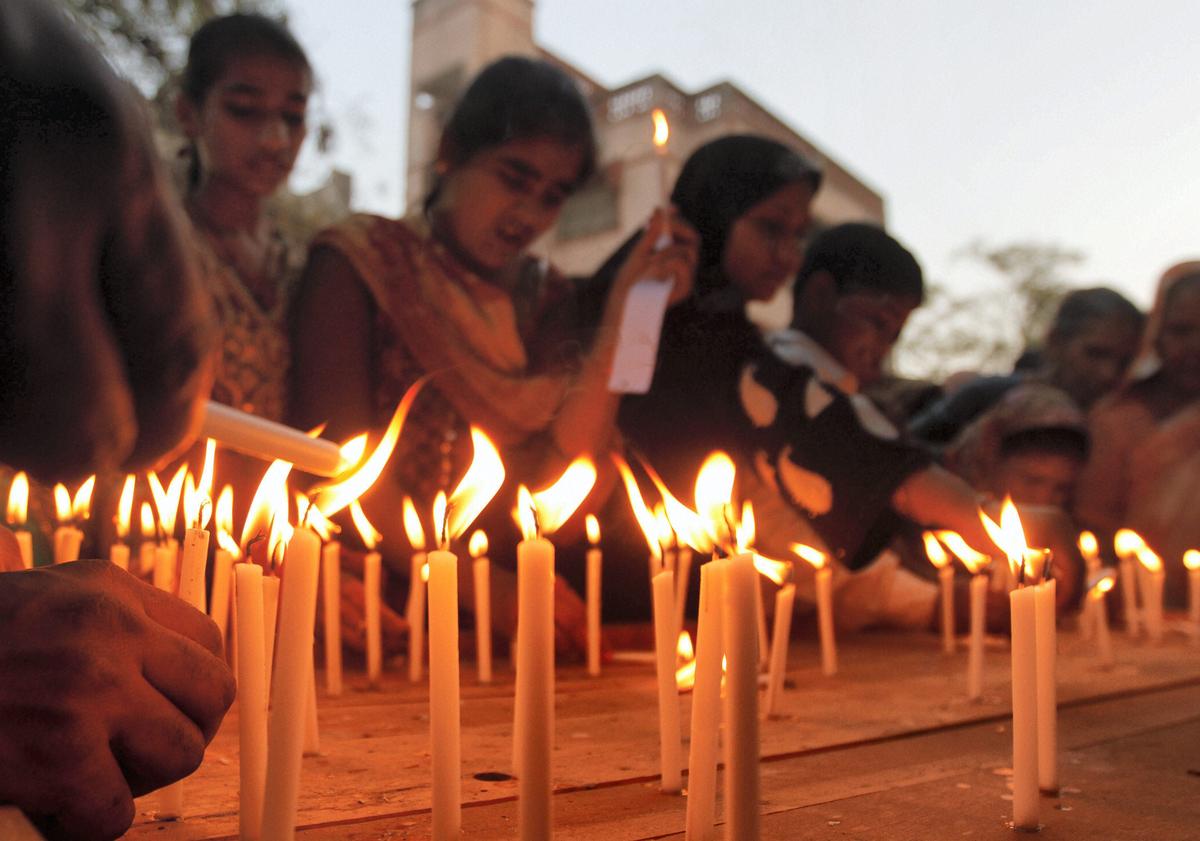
x,y
454,39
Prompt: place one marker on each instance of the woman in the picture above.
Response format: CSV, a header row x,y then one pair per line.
x,y
453,292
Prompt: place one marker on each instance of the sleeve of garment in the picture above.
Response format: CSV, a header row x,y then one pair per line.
x,y
825,461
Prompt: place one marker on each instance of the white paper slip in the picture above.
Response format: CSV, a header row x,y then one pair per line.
x,y
637,337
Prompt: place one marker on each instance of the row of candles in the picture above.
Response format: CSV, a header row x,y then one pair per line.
x,y
722,591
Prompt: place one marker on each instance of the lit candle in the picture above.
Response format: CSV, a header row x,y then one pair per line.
x,y
270,587
118,552
683,574
539,514
1151,576
267,440
1191,561
670,735
662,135
252,698
976,564
1126,543
938,557
1098,586
290,680
331,592
1089,548
416,592
68,537
1047,685
594,561
741,702
481,569
747,531
1023,602
372,593
706,705
147,546
785,599
17,514
227,552
824,585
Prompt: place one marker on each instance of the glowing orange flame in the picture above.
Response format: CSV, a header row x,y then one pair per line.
x,y
662,527
1103,586
439,520
335,496
353,450
526,514
425,572
147,522
714,496
813,556
197,494
269,498
125,507
1191,559
310,516
280,537
1149,559
640,512
685,655
166,502
18,499
412,526
593,529
81,505
746,531
62,503
975,562
224,522
688,526
370,537
1008,535
477,486
777,571
477,546
1127,542
934,551
1089,547
557,503
662,129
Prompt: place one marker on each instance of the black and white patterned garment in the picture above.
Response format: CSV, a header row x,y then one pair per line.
x,y
823,446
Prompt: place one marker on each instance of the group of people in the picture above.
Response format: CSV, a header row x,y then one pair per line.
x,y
135,314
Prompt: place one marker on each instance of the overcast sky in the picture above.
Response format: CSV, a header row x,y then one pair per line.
x,y
1000,120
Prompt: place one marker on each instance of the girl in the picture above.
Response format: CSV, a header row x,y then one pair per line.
x,y
453,292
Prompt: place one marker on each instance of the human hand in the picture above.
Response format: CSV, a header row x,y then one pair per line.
x,y
111,689
675,261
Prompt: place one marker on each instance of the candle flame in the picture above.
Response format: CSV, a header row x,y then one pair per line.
x,y
81,505
18,499
689,527
684,649
593,528
412,526
147,521
557,503
1149,559
1008,535
1102,586
439,520
685,655
526,514
714,496
662,129
476,488
62,503
813,556
746,531
125,507
974,561
310,515
352,484
1088,545
777,571
1127,542
425,572
353,450
370,537
224,522
477,546
662,527
1191,559
280,537
269,498
166,502
197,506
934,551
640,512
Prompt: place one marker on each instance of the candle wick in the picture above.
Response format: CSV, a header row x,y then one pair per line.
x,y
258,538
537,524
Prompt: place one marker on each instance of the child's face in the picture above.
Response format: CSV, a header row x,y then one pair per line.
x,y
1038,478
1090,364
763,250
866,325
494,205
249,128
1179,340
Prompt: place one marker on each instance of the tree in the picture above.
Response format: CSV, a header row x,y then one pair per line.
x,y
955,331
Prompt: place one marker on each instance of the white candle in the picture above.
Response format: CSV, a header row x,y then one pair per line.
x,y
706,705
1025,703
25,544
1151,576
252,698
146,557
785,599
270,588
17,512
946,581
164,567
760,615
741,702
1047,688
595,560
331,591
481,569
979,591
69,540
534,723
267,440
1129,595
829,664
669,733
416,618
683,572
285,727
1191,560
444,701
118,554
222,575
312,727
1103,637
372,573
